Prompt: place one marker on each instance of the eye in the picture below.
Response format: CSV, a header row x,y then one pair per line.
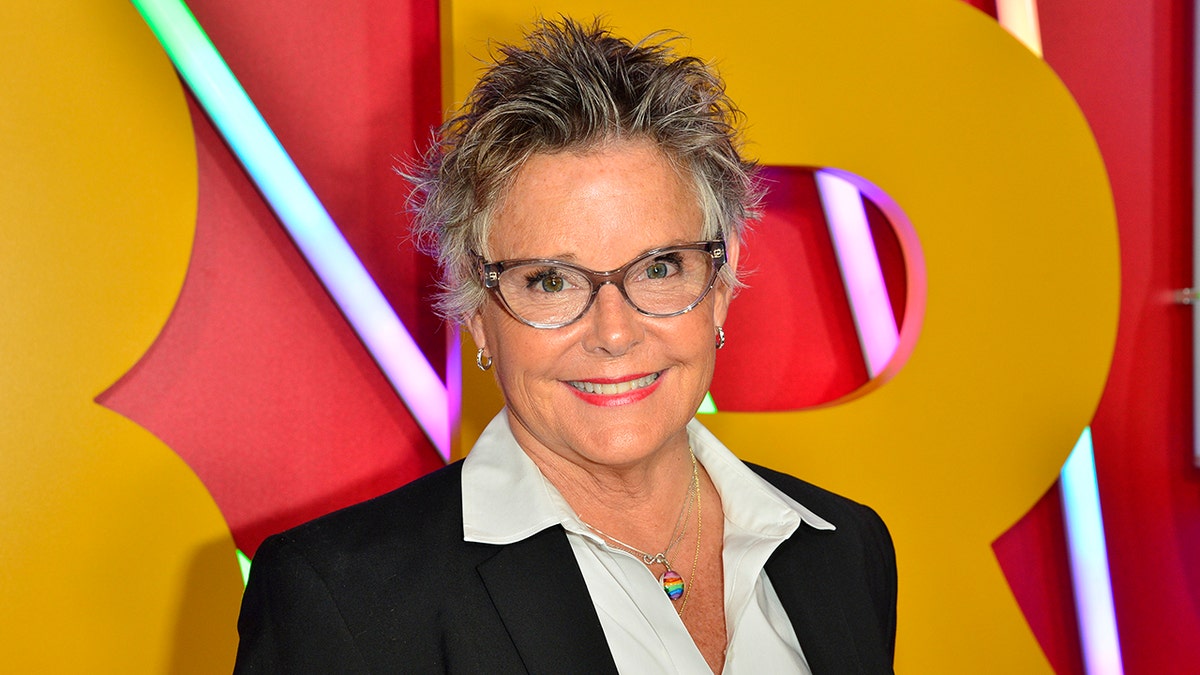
x,y
546,280
662,267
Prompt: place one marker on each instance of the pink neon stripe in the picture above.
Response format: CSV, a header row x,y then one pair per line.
x,y
859,262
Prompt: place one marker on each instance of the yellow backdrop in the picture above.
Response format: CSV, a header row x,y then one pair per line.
x,y
115,559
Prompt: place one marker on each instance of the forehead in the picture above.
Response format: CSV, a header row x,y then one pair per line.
x,y
599,207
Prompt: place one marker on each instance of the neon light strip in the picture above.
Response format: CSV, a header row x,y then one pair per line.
x,y
453,384
1020,17
243,565
861,274
306,220
1089,561
1081,496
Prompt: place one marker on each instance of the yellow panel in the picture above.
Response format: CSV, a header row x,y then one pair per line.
x,y
115,559
1012,235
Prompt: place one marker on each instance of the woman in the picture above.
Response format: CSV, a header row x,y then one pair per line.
x,y
586,207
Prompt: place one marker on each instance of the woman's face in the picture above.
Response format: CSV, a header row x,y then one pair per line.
x,y
600,210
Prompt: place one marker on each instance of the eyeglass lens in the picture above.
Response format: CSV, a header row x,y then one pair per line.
x,y
663,283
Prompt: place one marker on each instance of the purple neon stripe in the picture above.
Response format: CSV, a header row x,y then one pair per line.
x,y
859,263
453,385
1089,561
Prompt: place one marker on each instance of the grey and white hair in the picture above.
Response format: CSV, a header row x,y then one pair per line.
x,y
574,88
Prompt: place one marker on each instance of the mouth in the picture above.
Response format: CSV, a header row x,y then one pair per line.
x,y
614,388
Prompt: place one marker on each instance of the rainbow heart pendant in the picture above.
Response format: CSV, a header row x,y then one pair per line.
x,y
672,583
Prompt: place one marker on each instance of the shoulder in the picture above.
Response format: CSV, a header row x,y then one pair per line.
x,y
422,516
841,511
860,541
858,557
377,583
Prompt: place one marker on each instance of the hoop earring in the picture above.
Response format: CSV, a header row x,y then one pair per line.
x,y
720,337
483,365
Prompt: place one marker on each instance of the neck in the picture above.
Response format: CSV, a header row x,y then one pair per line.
x,y
637,502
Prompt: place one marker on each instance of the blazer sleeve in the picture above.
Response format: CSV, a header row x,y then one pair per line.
x,y
881,579
289,622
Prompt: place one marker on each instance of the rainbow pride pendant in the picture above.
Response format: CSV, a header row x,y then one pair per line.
x,y
672,583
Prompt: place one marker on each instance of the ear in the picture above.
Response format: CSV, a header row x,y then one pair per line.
x,y
723,293
474,326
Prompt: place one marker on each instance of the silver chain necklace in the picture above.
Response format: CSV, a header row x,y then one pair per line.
x,y
672,581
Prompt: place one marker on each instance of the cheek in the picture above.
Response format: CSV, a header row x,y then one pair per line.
x,y
701,331
527,354
693,344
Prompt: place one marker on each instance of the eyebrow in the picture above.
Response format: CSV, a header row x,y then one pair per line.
x,y
574,259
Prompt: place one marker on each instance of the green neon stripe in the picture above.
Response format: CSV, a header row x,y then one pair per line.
x,y
244,564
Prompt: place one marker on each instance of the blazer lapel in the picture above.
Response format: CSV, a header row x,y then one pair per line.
x,y
796,570
539,592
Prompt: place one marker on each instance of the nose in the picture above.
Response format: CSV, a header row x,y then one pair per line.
x,y
613,325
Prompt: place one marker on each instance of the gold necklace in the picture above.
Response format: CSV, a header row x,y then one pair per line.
x,y
672,582
696,556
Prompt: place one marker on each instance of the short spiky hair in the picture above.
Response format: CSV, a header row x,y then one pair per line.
x,y
572,88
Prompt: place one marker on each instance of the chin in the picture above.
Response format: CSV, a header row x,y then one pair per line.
x,y
627,444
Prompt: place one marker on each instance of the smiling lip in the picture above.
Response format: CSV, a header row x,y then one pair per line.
x,y
610,392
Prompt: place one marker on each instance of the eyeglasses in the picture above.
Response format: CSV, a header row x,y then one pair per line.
x,y
552,293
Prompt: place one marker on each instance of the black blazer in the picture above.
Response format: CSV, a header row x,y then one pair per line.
x,y
390,586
